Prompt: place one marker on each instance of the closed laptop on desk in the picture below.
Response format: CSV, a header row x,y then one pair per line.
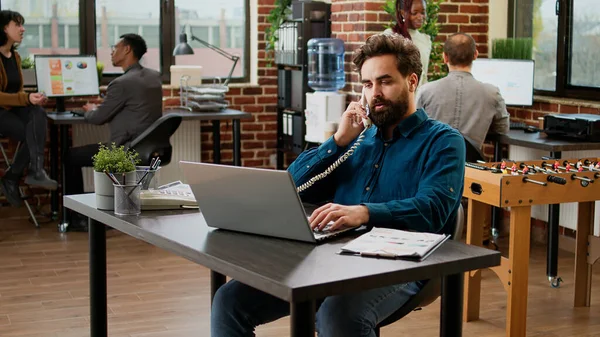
x,y
250,200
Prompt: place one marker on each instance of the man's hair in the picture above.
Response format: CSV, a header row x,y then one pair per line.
x,y
6,16
460,49
408,58
137,44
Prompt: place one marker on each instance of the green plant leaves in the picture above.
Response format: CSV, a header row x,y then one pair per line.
x,y
115,159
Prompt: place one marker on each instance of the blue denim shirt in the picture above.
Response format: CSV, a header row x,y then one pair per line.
x,y
413,181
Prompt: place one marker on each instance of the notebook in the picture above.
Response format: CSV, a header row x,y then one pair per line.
x,y
395,243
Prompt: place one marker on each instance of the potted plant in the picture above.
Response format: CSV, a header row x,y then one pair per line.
x,y
100,69
512,48
119,162
27,68
277,16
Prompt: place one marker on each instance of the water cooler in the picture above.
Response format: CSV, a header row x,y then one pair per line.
x,y
325,106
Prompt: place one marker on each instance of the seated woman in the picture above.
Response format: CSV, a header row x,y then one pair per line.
x,y
21,116
410,17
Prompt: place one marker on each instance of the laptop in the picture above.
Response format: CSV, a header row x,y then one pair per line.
x,y
252,200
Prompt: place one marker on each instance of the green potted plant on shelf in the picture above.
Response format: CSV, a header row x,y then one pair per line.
x,y
277,16
119,162
28,71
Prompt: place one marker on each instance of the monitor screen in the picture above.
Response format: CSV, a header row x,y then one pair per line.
x,y
66,75
514,78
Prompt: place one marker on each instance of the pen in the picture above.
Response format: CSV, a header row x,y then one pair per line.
x,y
111,177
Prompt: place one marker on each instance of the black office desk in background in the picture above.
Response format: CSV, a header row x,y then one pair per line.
x,y
554,147
296,272
61,123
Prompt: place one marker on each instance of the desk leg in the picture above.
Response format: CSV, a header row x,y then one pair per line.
x,y
302,319
476,215
216,141
451,306
552,247
54,169
98,303
518,272
65,142
216,281
237,143
583,270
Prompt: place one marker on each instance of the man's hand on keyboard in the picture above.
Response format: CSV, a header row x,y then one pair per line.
x,y
349,216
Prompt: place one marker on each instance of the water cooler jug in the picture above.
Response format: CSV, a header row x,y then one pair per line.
x,y
326,76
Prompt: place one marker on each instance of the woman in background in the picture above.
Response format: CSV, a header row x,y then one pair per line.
x,y
410,17
21,116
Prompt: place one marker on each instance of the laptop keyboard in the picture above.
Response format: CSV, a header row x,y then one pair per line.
x,y
327,232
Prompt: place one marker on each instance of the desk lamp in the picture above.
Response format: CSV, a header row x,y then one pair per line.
x,y
183,48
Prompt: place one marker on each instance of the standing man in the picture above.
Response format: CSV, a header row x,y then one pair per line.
x,y
133,102
470,106
407,173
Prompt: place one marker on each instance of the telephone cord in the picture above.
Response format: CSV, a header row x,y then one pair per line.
x,y
333,166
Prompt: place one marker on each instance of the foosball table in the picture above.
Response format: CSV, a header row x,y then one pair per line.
x,y
520,185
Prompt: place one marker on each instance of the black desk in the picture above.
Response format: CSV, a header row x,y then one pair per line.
x,y
64,122
297,272
554,147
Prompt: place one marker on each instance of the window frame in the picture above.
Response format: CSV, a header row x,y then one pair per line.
x,y
168,39
564,48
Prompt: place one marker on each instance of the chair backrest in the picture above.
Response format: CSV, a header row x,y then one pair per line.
x,y
433,288
154,142
473,154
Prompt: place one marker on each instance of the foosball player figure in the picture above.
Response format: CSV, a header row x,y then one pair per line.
x,y
513,170
503,167
579,165
568,167
525,170
556,165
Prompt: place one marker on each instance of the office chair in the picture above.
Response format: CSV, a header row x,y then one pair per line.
x,y
431,290
154,142
473,154
8,164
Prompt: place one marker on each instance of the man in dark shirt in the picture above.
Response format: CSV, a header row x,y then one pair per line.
x,y
407,173
133,102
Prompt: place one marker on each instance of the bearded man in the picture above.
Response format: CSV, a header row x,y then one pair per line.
x,y
407,173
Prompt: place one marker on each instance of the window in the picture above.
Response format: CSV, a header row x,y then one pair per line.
x,y
52,26
213,25
115,18
570,69
46,25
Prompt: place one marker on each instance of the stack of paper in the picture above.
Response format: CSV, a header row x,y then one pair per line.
x,y
392,243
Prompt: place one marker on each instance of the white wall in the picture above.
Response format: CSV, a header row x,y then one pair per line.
x,y
498,21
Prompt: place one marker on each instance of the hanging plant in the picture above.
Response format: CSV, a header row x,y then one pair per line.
x,y
277,16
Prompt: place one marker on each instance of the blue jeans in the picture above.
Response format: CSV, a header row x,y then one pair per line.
x,y
237,309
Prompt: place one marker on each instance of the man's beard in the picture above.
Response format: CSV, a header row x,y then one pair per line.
x,y
391,115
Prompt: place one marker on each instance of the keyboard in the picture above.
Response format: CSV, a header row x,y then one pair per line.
x,y
518,126
78,112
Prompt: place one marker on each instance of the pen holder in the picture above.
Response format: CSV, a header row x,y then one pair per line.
x,y
150,180
105,192
127,199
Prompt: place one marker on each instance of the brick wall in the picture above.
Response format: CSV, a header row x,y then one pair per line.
x,y
353,21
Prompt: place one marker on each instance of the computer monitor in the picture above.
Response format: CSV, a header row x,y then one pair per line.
x,y
60,76
514,78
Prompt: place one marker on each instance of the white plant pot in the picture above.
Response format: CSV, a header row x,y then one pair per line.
x,y
105,191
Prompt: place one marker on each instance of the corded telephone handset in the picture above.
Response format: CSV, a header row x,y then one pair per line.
x,y
367,124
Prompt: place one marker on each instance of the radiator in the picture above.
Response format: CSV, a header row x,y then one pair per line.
x,y
186,144
568,211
